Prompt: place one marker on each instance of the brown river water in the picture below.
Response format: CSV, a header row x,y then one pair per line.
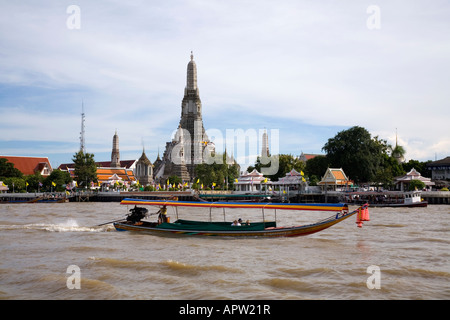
x,y
402,253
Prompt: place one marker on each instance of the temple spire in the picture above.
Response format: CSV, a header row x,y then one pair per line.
x,y
115,154
191,83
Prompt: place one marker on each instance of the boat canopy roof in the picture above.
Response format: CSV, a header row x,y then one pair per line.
x,y
247,205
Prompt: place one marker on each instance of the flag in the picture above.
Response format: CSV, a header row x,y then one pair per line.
x,y
53,184
40,184
26,184
265,180
202,186
236,180
198,180
301,173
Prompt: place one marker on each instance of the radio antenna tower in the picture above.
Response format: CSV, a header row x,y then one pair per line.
x,y
82,145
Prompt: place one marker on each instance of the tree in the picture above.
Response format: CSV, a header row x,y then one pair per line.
x,y
386,172
8,170
33,182
85,168
398,153
316,166
416,184
227,171
59,178
15,184
174,181
357,153
419,166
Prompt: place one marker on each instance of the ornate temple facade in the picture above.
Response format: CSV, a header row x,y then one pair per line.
x,y
144,170
190,146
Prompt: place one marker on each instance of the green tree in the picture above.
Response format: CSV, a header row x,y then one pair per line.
x,y
219,173
85,168
33,182
15,184
357,153
416,184
387,171
60,178
174,181
398,152
316,166
419,166
7,169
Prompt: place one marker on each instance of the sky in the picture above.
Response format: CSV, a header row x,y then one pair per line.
x,y
302,70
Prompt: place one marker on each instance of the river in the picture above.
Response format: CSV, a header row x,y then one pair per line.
x,y
56,251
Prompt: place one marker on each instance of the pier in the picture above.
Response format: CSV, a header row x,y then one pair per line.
x,y
432,197
436,197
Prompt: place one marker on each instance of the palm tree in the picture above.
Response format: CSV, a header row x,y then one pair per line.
x,y
398,152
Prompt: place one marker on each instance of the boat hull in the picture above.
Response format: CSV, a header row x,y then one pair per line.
x,y
400,205
294,231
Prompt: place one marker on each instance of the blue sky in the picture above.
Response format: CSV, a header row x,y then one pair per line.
x,y
306,68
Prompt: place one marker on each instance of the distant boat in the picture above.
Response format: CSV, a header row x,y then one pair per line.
x,y
388,199
253,229
40,199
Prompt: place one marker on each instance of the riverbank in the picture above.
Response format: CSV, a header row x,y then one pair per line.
x,y
432,197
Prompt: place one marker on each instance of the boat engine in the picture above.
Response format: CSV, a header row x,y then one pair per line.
x,y
136,214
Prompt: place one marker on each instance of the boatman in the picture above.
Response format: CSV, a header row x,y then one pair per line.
x,y
162,217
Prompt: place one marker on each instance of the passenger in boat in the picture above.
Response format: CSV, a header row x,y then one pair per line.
x,y
162,217
235,223
247,223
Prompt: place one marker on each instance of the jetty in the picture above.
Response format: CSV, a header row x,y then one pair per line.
x,y
432,197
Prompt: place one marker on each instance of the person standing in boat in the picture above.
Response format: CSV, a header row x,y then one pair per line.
x,y
162,217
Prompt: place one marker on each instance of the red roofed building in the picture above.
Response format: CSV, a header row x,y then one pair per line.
x,y
308,156
31,165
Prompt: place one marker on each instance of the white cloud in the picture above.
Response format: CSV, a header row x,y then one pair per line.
x,y
313,64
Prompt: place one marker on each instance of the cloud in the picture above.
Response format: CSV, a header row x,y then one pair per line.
x,y
302,67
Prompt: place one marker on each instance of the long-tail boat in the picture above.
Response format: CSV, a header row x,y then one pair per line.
x,y
254,229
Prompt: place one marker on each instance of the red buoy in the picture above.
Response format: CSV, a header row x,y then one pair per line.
x,y
359,220
365,214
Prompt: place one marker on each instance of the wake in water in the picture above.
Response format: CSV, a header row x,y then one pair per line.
x,y
70,225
